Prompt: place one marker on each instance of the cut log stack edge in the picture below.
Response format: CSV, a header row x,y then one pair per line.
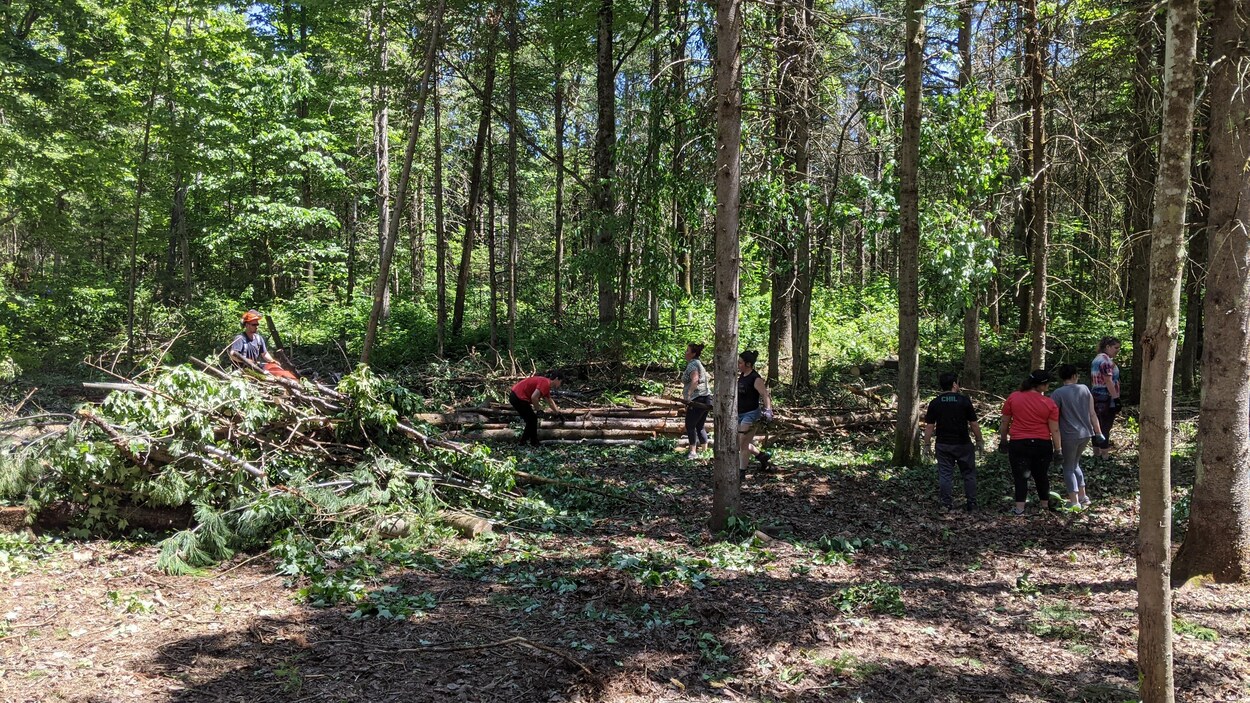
x,y
649,418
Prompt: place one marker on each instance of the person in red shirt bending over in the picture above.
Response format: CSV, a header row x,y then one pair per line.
x,y
524,399
1031,420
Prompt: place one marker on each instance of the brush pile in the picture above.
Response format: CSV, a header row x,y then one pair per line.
x,y
246,456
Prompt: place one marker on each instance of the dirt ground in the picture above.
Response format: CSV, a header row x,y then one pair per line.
x,y
633,601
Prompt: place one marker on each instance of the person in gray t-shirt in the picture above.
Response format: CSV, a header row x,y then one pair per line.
x,y
1078,422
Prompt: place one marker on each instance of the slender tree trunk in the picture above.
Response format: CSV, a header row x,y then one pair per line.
x,y
726,488
488,226
907,436
1218,539
558,274
416,239
401,190
1035,66
381,143
352,219
970,378
605,169
1141,175
475,182
677,62
1154,595
440,230
802,314
1195,270
513,193
781,311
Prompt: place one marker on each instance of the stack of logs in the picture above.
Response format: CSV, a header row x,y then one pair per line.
x,y
649,418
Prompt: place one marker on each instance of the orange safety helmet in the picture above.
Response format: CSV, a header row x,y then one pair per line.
x,y
251,316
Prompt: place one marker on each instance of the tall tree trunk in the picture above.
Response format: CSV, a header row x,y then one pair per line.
x,y
1141,175
605,170
440,230
416,239
1035,67
558,273
1154,595
726,488
801,332
907,436
1195,269
351,220
781,310
401,191
488,226
475,182
970,378
381,142
513,203
682,241
1218,539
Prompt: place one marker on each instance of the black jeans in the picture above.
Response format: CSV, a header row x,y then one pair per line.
x,y
696,418
526,410
1031,456
963,456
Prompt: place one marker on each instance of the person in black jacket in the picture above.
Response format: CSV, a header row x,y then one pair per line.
x,y
953,420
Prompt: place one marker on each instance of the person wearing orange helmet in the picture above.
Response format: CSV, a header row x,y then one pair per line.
x,y
249,348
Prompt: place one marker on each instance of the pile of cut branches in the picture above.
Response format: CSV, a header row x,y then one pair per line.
x,y
247,457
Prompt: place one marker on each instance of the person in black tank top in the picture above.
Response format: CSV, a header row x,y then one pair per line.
x,y
754,404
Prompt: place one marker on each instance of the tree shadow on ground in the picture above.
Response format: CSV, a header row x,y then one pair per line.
x,y
628,608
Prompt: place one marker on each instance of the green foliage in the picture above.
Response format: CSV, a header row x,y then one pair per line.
x,y
882,598
21,552
1184,627
662,569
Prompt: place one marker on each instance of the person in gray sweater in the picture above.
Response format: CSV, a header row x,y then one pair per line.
x,y
1078,422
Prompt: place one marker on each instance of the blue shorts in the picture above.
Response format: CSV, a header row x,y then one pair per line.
x,y
750,417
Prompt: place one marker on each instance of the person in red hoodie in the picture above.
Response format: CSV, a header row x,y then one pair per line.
x,y
525,397
1031,421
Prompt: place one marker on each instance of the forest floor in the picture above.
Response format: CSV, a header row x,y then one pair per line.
x,y
863,592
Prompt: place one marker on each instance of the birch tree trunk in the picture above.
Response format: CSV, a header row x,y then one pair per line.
x,y
907,435
1218,539
726,488
1154,595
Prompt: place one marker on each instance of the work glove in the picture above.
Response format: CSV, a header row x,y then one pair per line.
x,y
981,446
1002,447
767,415
1056,458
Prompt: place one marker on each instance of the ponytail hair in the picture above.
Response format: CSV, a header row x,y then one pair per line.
x,y
1107,342
1035,379
696,350
749,357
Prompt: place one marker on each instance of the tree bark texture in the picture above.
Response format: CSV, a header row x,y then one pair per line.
x,y
605,168
907,435
726,488
1218,539
1158,344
